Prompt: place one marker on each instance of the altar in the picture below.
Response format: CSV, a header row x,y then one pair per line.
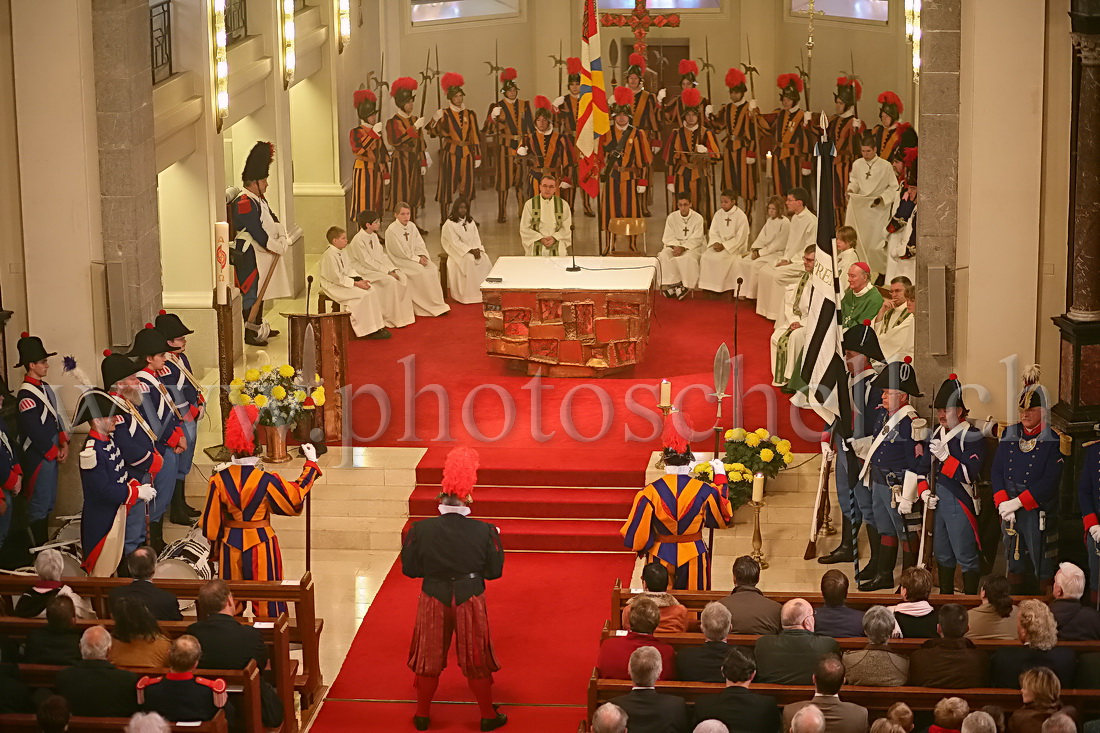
x,y
543,319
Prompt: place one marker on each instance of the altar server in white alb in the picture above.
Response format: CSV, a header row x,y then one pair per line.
x,y
728,244
873,191
684,238
789,337
370,262
406,248
467,262
768,245
355,293
546,224
845,246
773,281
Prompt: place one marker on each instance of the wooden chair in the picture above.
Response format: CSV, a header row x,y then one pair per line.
x,y
323,302
631,228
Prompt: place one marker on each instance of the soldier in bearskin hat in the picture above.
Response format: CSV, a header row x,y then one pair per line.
x,y
409,158
460,146
370,173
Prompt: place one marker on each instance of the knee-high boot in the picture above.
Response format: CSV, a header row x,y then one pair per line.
x,y
947,579
874,540
971,579
844,552
884,573
502,202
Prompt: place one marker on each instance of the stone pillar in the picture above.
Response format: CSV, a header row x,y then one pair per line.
x,y
127,163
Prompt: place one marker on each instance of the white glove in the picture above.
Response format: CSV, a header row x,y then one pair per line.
x,y
939,449
309,452
700,148
905,506
655,149
420,122
146,492
377,127
857,124
827,452
438,115
640,189
862,446
671,188
661,96
477,164
496,112
427,159
929,500
753,105
385,181
1007,509
521,150
423,170
1094,532
708,110
559,101
564,184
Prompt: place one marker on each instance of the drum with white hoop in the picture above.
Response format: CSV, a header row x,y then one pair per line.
x,y
187,559
67,542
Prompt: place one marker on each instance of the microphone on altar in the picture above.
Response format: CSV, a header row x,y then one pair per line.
x,y
309,287
574,267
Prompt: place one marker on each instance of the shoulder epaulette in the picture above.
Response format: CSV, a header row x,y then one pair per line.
x,y
1091,442
146,681
217,685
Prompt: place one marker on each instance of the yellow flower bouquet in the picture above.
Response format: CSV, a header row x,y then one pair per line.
x,y
758,451
279,390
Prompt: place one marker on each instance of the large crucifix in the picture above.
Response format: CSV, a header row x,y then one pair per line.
x,y
810,13
640,20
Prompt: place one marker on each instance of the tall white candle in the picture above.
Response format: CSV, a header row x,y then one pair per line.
x,y
666,392
758,488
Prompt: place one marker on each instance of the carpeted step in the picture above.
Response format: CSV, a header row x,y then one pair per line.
x,y
533,502
501,467
546,535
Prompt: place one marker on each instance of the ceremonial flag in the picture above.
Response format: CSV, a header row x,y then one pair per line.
x,y
823,360
592,118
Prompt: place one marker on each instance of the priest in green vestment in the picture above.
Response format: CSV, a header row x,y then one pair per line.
x,y
863,300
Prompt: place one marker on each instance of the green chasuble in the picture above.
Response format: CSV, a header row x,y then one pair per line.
x,y
855,309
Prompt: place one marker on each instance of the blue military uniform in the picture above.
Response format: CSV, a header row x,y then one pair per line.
x,y
1088,497
956,540
11,474
42,425
186,392
181,696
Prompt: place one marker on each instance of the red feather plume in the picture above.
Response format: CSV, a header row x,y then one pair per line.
x,y
734,78
402,83
891,98
786,80
624,97
691,98
363,95
451,79
508,74
843,81
636,59
671,437
460,473
240,429
542,102
687,66
573,65
910,157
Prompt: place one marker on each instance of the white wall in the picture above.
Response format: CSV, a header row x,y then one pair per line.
x,y
12,283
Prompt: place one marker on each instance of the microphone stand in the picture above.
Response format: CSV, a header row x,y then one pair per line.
x,y
309,288
735,419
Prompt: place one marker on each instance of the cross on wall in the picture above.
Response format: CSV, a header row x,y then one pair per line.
x,y
640,21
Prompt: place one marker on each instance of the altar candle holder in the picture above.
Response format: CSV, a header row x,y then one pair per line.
x,y
757,541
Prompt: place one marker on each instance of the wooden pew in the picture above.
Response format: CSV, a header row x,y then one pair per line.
x,y
875,699
305,626
245,681
276,636
695,601
17,723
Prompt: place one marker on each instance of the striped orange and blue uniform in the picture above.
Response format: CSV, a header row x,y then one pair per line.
x,y
567,126
550,154
239,505
794,135
406,158
460,148
900,135
666,522
627,156
510,127
690,170
369,173
737,174
845,138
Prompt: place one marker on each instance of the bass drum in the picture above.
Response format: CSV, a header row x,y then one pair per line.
x,y
186,559
67,542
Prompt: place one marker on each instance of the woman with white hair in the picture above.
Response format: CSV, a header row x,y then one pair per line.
x,y
1038,633
48,565
875,664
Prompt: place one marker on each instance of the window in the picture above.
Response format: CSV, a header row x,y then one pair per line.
x,y
424,11
874,10
628,5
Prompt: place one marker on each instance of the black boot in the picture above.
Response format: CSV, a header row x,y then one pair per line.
x,y
178,511
123,570
947,579
908,557
39,530
156,535
494,723
884,573
875,542
970,582
845,551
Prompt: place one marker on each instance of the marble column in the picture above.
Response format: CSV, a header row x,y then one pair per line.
x,y
1085,290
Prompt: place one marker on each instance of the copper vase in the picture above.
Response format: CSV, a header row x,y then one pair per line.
x,y
276,444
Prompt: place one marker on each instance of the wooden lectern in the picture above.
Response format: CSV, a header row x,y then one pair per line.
x,y
331,332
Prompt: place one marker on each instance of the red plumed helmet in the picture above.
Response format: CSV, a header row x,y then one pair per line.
x,y
403,83
786,80
573,65
671,438
542,102
636,59
460,473
891,98
735,78
363,95
451,80
240,430
843,81
691,98
624,97
687,66
910,157
508,74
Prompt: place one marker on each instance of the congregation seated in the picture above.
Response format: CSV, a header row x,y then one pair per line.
x,y
703,662
674,617
737,707
901,715
998,716
885,725
93,686
995,618
142,564
48,566
1059,723
789,657
651,711
948,715
53,715
839,716
15,696
138,641
59,642
876,665
614,658
181,696
750,611
609,718
914,615
1076,622
711,726
950,661
1041,693
809,719
148,723
835,618
1038,635
980,721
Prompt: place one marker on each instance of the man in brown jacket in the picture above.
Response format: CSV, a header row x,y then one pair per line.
x,y
951,661
750,611
840,717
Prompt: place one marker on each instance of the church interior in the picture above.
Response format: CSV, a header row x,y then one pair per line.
x,y
130,133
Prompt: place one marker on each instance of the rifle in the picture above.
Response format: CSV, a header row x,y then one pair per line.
x,y
821,506
927,526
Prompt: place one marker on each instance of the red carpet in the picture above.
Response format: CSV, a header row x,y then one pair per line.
x,y
584,432
546,614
